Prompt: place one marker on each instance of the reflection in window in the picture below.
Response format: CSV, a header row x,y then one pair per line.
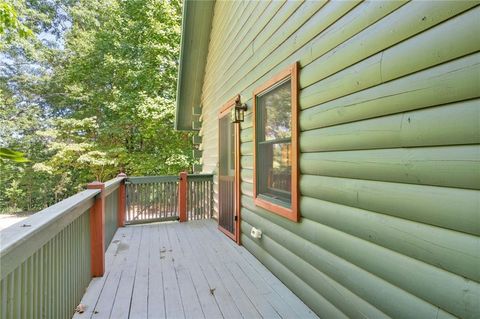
x,y
274,127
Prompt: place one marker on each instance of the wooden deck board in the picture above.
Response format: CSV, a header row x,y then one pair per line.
x,y
138,306
223,298
156,298
207,300
121,304
186,270
188,292
173,298
265,278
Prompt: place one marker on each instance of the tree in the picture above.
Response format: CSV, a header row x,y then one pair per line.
x,y
9,22
90,93
120,66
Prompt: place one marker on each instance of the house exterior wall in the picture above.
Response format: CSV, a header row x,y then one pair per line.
x,y
389,142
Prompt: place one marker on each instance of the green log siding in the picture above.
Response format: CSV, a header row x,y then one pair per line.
x,y
390,149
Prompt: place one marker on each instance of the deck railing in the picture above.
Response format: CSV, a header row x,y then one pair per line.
x,y
199,197
48,260
163,198
152,198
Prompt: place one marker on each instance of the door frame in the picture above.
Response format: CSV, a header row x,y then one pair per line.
x,y
225,111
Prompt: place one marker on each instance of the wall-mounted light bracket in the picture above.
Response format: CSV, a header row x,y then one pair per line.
x,y
238,111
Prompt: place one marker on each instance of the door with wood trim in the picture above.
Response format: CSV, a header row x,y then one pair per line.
x,y
228,177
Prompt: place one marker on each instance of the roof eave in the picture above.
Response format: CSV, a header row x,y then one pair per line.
x,y
196,25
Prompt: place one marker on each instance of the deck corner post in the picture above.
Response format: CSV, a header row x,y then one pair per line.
x,y
97,231
182,196
122,201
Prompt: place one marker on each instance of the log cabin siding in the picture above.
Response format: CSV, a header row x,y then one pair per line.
x,y
390,149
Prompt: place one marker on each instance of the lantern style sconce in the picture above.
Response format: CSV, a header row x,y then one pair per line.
x,y
238,111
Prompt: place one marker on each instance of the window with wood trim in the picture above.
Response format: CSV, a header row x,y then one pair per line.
x,y
275,120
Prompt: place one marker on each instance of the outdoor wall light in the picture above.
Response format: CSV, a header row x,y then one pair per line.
x,y
238,111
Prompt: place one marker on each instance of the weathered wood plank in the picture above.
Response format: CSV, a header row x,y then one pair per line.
x,y
217,253
223,298
207,299
96,287
139,303
156,297
173,297
131,247
188,292
195,268
266,283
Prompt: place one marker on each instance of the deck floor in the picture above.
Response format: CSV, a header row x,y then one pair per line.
x,y
187,270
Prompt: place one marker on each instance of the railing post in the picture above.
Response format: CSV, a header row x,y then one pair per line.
x,y
97,231
182,197
122,203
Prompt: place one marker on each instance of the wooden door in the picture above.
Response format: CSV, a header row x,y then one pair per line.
x,y
228,179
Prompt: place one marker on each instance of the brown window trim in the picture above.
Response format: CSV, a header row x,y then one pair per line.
x,y
291,213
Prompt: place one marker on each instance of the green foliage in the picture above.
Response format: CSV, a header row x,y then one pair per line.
x,y
90,94
12,155
9,22
14,194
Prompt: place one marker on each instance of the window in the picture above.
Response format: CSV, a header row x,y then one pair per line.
x,y
276,147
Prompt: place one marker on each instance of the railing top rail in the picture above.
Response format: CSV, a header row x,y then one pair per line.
x,y
164,178
199,176
151,179
22,239
113,184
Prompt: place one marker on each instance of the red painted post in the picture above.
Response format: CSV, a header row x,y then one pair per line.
x,y
97,231
122,201
182,197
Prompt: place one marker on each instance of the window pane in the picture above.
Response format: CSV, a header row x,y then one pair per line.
x,y
276,171
275,106
274,151
227,147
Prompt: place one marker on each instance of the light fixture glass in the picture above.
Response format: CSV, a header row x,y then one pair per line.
x,y
238,111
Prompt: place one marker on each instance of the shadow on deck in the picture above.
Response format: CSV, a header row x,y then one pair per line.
x,y
185,270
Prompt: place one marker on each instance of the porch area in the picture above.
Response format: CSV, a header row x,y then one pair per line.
x,y
185,270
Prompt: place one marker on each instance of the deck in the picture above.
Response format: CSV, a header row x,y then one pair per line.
x,y
185,270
